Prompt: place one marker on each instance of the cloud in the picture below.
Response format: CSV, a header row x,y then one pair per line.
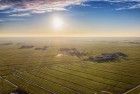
x,y
11,20
3,7
123,4
1,20
28,7
116,0
37,6
42,6
136,6
20,14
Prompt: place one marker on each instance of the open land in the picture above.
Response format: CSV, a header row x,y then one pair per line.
x,y
70,65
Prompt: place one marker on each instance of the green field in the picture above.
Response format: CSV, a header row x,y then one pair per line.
x,y
47,72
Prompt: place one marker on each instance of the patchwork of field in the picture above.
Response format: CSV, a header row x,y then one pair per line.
x,y
41,68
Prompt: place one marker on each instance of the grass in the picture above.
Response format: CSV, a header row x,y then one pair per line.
x,y
42,72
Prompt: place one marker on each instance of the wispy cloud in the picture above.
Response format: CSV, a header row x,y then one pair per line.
x,y
37,6
126,4
20,14
43,6
135,6
22,8
1,20
11,20
3,7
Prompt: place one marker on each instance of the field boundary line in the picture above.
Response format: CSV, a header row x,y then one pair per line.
x,y
76,92
11,83
96,75
60,83
8,82
122,72
88,78
33,84
138,86
83,78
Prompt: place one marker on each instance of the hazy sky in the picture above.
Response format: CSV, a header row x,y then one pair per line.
x,y
70,17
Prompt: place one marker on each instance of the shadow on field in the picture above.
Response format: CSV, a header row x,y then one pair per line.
x,y
19,91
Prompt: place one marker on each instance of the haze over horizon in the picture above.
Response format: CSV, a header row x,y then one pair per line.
x,y
70,18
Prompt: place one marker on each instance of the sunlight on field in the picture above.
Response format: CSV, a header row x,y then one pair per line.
x,y
62,65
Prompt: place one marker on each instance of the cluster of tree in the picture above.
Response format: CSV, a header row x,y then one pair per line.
x,y
9,43
42,48
108,57
26,46
72,52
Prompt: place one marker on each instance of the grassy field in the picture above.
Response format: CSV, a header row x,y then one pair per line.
x,y
52,72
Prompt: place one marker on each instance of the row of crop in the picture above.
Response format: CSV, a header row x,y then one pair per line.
x,y
103,72
27,85
125,65
107,67
6,86
55,84
93,74
94,83
96,75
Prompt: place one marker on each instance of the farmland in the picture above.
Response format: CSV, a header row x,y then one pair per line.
x,y
37,66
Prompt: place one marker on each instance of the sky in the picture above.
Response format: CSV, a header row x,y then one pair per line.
x,y
107,18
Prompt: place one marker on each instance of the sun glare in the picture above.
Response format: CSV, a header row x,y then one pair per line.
x,y
57,23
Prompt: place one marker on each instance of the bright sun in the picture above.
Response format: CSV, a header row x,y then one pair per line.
x,y
57,23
